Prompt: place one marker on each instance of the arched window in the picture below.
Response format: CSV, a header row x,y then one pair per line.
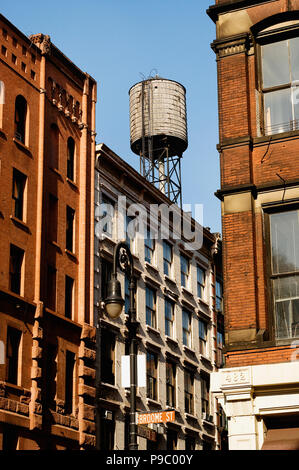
x,y
54,146
71,158
20,118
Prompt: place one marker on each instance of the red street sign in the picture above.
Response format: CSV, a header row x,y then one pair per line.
x,y
149,434
157,417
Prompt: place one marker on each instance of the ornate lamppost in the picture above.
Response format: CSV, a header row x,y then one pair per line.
x,y
114,303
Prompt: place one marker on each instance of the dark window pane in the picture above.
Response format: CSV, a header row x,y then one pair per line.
x,y
12,354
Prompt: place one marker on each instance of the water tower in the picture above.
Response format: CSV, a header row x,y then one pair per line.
x,y
158,132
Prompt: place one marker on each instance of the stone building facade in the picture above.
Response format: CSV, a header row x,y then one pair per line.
x,y
178,304
257,62
47,145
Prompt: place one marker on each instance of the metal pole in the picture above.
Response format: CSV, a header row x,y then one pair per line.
x,y
133,366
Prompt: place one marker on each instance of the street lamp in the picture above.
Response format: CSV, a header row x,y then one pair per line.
x,y
114,303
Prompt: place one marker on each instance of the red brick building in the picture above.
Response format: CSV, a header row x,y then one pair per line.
x,y
256,48
47,147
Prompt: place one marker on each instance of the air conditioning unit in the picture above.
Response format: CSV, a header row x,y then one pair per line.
x,y
204,415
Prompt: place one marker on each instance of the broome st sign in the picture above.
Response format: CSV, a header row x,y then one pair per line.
x,y
158,417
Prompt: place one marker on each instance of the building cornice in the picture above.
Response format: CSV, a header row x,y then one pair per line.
x,y
230,5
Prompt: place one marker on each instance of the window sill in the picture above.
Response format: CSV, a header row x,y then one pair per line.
x,y
170,280
190,416
108,385
62,317
206,421
204,358
203,302
188,350
19,223
151,267
155,331
57,172
71,255
56,246
278,136
22,147
187,291
168,339
72,184
150,401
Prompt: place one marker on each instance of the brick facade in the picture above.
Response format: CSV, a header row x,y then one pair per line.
x,y
259,177
47,315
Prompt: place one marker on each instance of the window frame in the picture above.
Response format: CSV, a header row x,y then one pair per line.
x,y
149,247
263,38
184,275
199,284
151,310
268,210
189,331
203,341
19,185
166,261
152,380
189,391
169,320
170,383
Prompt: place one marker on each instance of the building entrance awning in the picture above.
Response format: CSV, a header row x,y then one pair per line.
x,y
282,439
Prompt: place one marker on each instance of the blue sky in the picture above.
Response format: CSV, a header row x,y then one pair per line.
x,y
119,42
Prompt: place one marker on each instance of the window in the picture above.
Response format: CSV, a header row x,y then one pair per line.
x,y
108,213
52,218
130,231
200,282
13,355
15,269
20,118
202,326
280,75
18,192
167,258
4,50
190,443
69,382
70,216
108,357
219,294
69,297
189,391
50,375
108,426
106,273
150,307
149,247
205,403
184,270
169,318
187,328
10,437
71,158
284,241
172,439
220,341
51,288
170,384
151,372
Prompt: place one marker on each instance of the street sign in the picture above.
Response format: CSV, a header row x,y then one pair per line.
x,y
158,417
147,433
